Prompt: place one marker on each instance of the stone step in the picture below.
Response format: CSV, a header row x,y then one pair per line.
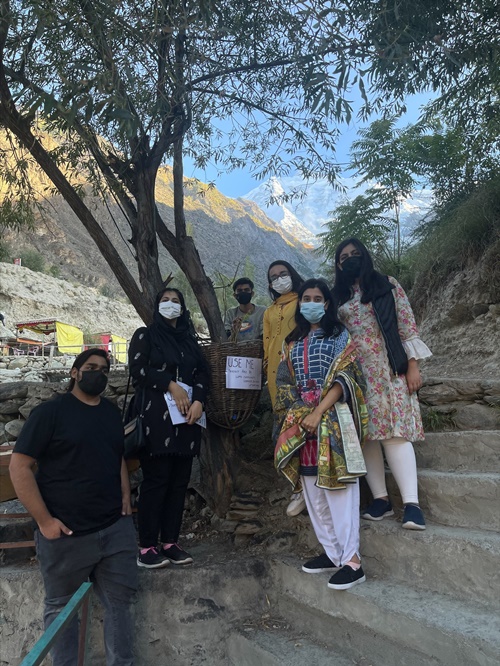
x,y
477,450
220,589
392,623
455,561
256,647
460,499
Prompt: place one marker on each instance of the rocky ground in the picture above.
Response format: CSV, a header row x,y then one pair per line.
x,y
461,324
26,295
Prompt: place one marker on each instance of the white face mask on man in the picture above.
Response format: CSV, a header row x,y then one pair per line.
x,y
282,285
170,310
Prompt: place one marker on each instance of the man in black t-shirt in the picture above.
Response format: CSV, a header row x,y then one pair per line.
x,y
80,500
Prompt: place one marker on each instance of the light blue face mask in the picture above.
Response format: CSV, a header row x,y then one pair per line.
x,y
313,312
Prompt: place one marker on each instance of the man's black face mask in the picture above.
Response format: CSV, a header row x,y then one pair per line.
x,y
93,382
244,297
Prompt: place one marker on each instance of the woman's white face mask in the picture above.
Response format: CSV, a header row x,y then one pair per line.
x,y
170,310
282,285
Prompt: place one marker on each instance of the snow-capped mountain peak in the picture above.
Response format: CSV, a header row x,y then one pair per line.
x,y
302,208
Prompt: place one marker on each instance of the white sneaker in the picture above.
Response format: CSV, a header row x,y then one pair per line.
x,y
297,505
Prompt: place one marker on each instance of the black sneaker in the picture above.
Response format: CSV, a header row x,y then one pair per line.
x,y
413,518
150,558
176,555
378,509
319,565
346,578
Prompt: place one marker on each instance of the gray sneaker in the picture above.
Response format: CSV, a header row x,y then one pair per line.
x,y
297,505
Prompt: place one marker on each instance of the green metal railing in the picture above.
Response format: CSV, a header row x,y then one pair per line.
x,y
81,599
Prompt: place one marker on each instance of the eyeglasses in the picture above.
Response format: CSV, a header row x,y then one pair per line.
x,y
283,274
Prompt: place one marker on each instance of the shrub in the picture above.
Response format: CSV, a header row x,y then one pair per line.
x,y
5,251
105,290
457,238
32,259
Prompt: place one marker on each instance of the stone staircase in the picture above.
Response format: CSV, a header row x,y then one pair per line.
x,y
431,597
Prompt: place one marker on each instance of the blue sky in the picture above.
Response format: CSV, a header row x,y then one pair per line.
x,y
239,182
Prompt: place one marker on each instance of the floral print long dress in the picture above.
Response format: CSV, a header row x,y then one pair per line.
x,y
392,411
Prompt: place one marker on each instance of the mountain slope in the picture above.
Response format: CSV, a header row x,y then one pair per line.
x,y
230,234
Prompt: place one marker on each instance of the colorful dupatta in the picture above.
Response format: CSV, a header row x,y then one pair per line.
x,y
290,410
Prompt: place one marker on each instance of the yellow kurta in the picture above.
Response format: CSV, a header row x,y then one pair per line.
x,y
279,321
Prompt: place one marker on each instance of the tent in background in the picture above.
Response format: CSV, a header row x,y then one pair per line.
x,y
69,338
116,346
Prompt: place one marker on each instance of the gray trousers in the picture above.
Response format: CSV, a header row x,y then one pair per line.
x,y
108,559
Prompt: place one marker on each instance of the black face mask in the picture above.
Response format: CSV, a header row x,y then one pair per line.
x,y
244,297
93,382
351,268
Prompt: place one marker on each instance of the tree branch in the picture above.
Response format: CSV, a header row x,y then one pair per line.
x,y
279,62
106,55
19,126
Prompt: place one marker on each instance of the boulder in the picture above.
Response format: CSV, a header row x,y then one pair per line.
x,y
33,376
479,309
458,314
10,406
18,362
25,409
13,429
13,390
43,391
494,308
118,382
476,417
491,387
57,365
437,394
10,375
249,527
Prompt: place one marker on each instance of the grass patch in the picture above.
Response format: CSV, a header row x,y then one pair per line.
x,y
457,239
436,421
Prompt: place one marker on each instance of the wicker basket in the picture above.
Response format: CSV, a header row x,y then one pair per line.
x,y
229,408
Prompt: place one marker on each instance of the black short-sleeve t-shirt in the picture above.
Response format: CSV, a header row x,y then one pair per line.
x,y
79,449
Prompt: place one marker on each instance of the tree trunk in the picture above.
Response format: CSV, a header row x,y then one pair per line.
x,y
188,258
190,263
145,239
218,467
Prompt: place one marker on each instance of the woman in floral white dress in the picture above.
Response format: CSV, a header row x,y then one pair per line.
x,y
378,315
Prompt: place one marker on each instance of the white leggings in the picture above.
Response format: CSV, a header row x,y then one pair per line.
x,y
401,459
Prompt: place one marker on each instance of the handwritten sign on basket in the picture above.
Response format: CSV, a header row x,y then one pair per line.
x,y
243,373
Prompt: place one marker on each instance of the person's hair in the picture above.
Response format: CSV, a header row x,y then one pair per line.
x,y
82,358
241,281
329,322
297,280
368,278
184,318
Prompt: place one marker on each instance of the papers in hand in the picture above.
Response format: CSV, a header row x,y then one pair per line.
x,y
176,416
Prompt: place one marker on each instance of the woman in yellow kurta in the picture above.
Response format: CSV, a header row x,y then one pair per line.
x,y
279,321
279,318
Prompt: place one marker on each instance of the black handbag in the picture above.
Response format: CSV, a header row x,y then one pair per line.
x,y
135,436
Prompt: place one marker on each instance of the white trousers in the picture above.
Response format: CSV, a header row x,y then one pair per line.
x,y
401,460
334,516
